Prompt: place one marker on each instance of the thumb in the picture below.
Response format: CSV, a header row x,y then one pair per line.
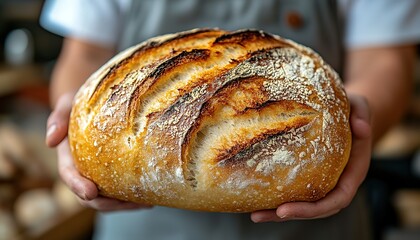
x,y
360,117
58,121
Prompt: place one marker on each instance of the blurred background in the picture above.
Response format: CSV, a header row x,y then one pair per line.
x,y
35,204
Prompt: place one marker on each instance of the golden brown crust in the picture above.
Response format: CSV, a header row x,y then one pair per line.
x,y
213,120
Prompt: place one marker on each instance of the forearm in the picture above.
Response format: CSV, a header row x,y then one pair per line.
x,y
77,61
384,77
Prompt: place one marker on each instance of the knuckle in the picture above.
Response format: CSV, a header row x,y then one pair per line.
x,y
83,202
64,172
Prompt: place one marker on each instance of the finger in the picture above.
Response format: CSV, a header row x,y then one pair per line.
x,y
360,155
295,211
57,124
328,206
360,119
339,198
82,187
108,204
265,216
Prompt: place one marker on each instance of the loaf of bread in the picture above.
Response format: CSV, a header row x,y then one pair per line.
x,y
213,120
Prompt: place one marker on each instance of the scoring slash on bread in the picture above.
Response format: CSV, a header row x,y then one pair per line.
x,y
213,120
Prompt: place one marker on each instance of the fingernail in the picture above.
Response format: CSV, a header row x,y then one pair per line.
x,y
260,219
83,195
257,220
51,129
284,218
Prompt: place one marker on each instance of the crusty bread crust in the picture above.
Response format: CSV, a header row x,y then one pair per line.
x,y
213,120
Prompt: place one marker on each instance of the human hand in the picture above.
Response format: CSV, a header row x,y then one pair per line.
x,y
350,180
86,190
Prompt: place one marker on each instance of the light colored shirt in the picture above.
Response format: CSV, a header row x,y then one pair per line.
x,y
324,28
367,22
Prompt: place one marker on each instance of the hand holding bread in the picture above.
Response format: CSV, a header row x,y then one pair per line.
x,y
213,120
352,177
